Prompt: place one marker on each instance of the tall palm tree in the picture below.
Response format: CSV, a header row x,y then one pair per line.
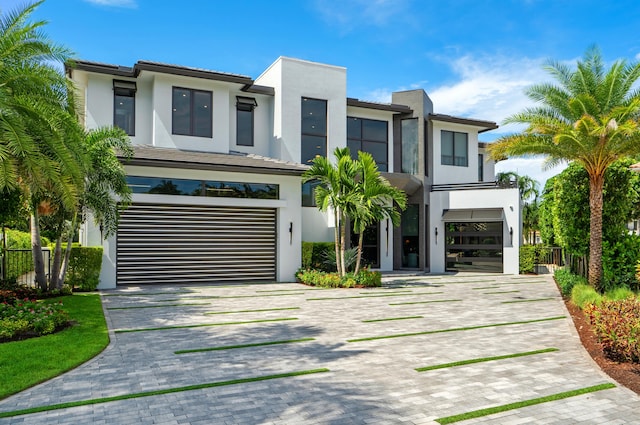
x,y
335,192
591,117
375,200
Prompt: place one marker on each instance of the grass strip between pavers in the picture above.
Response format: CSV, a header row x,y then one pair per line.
x,y
468,328
388,291
202,325
426,302
253,311
499,292
527,301
484,359
157,392
232,347
365,296
144,294
154,306
392,318
520,404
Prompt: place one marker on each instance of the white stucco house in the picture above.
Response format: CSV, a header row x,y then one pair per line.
x,y
217,194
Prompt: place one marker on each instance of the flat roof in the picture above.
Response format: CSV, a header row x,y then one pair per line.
x,y
391,107
484,125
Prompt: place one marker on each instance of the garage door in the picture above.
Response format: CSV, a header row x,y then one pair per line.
x,y
161,243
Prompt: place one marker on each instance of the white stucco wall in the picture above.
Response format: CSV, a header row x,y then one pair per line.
x,y
449,174
288,211
262,124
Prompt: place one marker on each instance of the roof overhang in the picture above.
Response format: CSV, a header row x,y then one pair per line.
x,y
389,107
473,215
483,125
405,182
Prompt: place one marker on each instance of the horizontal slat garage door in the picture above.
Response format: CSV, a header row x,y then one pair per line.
x,y
160,243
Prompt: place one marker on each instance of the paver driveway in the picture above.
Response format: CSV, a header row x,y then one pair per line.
x,y
357,380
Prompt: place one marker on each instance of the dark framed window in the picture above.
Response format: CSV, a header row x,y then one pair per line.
x,y
192,114
371,136
480,167
454,148
410,146
314,129
124,106
207,188
309,194
244,120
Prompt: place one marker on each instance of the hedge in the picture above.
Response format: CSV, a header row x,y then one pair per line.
x,y
313,254
85,263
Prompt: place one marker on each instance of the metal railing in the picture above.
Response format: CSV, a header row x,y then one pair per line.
x,y
474,186
17,264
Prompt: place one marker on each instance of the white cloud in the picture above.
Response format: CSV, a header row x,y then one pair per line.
x,y
114,3
348,14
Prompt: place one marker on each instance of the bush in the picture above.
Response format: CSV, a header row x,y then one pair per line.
x,y
364,279
619,294
84,267
583,295
24,318
567,280
527,258
350,258
17,266
313,254
619,261
617,324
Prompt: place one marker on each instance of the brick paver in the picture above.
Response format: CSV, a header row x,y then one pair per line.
x,y
369,382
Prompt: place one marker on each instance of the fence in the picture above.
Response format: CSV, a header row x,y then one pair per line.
x,y
554,257
18,264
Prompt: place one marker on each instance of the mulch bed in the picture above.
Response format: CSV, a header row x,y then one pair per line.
x,y
627,374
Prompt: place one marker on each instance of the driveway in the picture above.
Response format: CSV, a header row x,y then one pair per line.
x,y
291,354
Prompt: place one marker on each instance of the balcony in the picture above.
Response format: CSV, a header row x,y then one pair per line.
x,y
474,186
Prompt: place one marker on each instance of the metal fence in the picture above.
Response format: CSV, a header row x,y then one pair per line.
x,y
17,264
552,258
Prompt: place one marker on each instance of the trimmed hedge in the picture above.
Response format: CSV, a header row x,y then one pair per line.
x,y
314,254
84,267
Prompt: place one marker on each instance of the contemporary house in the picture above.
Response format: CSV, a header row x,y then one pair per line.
x,y
217,165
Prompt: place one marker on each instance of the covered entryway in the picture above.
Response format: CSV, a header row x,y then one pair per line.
x,y
167,243
474,240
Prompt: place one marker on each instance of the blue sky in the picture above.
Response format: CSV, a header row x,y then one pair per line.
x,y
473,58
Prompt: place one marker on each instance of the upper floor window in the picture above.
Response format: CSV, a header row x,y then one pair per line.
x,y
314,129
454,148
192,114
244,120
124,106
369,136
410,146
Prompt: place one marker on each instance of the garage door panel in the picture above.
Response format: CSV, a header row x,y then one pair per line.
x,y
160,243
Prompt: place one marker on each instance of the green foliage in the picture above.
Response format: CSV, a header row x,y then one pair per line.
x,y
545,213
567,280
583,295
350,258
618,262
313,254
22,262
617,324
619,294
24,318
363,279
85,264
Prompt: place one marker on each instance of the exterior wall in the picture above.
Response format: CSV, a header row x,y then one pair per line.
x,y
288,211
507,199
489,167
449,174
262,124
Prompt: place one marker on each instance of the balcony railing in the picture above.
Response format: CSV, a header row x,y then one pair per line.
x,y
474,186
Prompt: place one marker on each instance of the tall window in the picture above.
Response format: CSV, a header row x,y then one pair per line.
x,y
244,120
410,146
454,148
192,114
314,129
369,136
480,167
124,106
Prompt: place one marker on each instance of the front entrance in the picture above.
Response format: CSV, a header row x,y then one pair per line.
x,y
474,246
370,245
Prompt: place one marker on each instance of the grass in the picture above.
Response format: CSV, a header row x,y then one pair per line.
x,y
520,404
202,325
155,306
500,292
363,296
426,302
254,311
232,347
144,294
468,328
484,359
532,300
31,361
156,392
393,318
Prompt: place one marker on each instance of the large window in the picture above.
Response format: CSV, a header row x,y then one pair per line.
x,y
211,189
244,120
410,146
192,114
314,129
124,106
454,148
369,136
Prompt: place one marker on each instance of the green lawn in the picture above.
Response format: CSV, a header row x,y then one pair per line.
x,y
29,362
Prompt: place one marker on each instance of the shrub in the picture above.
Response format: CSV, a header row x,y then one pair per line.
x,y
617,324
364,278
313,254
583,295
527,258
84,267
567,280
24,318
350,257
619,261
619,294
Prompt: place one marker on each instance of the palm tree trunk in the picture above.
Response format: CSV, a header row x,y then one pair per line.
x,y
67,253
596,184
359,257
343,242
337,239
36,250
55,267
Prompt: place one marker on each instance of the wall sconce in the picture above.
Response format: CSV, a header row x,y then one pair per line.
x,y
290,232
436,233
511,234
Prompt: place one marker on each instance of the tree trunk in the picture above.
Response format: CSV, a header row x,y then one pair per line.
x,y
359,257
67,253
343,242
55,267
36,250
337,239
596,184
3,253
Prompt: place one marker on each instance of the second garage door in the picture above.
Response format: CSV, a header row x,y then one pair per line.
x,y
162,243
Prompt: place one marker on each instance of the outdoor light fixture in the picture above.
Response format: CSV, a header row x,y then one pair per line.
x,y
290,232
436,235
511,234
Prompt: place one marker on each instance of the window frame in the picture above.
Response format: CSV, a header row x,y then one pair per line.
x,y
245,104
192,118
453,149
308,135
126,89
382,166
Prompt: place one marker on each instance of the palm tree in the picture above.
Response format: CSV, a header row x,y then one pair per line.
x,y
590,117
335,192
375,200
